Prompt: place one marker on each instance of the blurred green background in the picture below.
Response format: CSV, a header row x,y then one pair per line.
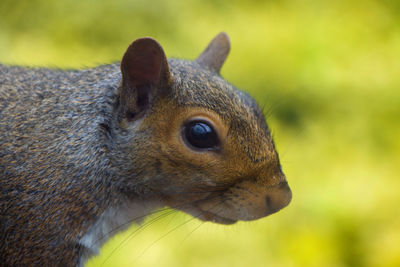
x,y
328,74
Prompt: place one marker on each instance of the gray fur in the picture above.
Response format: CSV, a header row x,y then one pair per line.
x,y
69,157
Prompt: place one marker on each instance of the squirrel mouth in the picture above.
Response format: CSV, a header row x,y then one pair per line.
x,y
208,216
212,217
205,215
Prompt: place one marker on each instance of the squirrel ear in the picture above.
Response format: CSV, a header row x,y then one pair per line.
x,y
214,56
145,73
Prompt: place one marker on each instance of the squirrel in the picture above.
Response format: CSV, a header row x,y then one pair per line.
x,y
84,153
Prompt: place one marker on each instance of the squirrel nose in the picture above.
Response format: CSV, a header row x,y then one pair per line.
x,y
278,198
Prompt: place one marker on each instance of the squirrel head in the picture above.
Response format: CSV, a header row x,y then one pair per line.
x,y
192,140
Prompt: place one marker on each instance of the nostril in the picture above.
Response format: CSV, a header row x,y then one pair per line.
x,y
272,205
268,201
278,198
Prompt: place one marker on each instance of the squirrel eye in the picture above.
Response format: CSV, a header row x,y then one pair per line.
x,y
200,135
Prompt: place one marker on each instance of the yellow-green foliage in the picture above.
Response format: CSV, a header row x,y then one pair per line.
x,y
328,75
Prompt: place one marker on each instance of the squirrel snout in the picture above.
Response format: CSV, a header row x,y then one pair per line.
x,y
261,201
248,201
278,198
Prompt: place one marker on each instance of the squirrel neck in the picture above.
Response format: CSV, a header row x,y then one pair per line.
x,y
112,167
64,179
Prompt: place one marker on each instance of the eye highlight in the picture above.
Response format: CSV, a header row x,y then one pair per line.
x,y
200,135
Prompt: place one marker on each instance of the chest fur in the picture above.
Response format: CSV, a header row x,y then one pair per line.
x,y
112,221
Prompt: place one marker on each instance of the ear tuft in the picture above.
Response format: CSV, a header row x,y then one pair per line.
x,y
214,56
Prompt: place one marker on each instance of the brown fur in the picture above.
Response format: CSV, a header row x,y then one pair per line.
x,y
74,143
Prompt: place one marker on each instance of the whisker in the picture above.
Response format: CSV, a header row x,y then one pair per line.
x,y
137,231
121,226
164,235
127,223
191,232
292,142
144,226
178,226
